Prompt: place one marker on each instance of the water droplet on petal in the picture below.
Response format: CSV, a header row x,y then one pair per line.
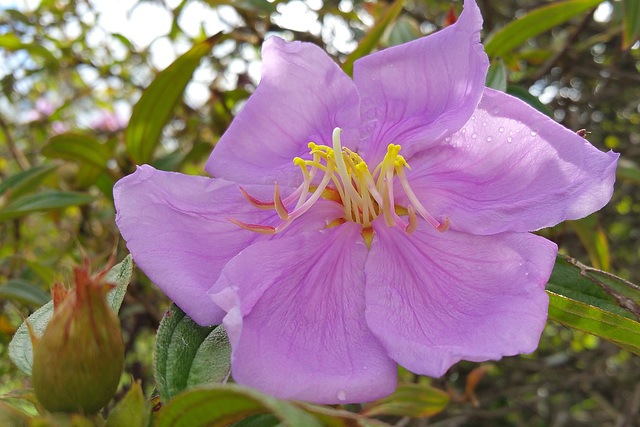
x,y
489,139
474,135
342,395
463,131
533,133
501,129
509,139
447,139
484,123
473,117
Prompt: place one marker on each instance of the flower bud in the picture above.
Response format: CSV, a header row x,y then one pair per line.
x,y
79,359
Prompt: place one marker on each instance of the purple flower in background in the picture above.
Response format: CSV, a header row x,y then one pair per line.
x,y
397,232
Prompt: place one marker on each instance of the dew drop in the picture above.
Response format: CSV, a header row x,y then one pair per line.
x,y
473,117
533,133
509,139
447,139
342,395
489,139
474,135
501,129
484,123
463,131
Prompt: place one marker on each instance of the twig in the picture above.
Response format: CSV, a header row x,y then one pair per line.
x,y
551,62
18,155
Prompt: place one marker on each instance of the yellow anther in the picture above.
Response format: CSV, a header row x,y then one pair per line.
x,y
361,168
354,156
400,162
393,149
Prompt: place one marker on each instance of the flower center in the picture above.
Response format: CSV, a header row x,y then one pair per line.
x,y
346,179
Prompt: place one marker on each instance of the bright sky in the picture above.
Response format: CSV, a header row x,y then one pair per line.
x,y
146,24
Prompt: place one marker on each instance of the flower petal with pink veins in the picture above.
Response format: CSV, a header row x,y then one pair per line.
x,y
296,319
302,96
436,298
177,230
510,168
417,92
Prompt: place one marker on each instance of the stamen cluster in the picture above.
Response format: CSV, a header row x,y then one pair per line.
x,y
346,179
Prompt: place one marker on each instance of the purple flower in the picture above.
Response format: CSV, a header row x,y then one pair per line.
x,y
345,268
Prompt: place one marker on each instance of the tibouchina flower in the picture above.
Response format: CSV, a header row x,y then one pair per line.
x,y
397,232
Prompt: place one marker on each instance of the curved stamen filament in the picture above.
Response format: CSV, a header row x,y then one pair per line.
x,y
440,226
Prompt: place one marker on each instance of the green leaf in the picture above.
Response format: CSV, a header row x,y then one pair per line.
x,y
533,23
497,76
77,147
156,105
596,302
523,94
369,42
188,355
403,30
44,201
410,400
593,239
630,22
220,405
331,417
20,347
25,181
10,416
611,327
170,162
11,42
259,420
119,275
24,292
132,410
574,280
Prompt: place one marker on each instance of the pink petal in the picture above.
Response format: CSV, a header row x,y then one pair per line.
x,y
176,228
418,92
302,97
436,298
296,319
511,168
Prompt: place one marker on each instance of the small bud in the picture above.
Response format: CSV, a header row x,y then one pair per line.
x,y
79,359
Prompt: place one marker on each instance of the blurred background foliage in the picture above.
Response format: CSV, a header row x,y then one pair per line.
x,y
72,73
